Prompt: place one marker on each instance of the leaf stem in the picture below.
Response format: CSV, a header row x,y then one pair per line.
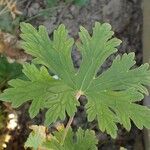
x,y
67,128
70,120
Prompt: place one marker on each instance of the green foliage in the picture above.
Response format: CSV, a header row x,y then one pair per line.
x,y
82,140
36,138
8,71
111,95
44,91
117,89
7,24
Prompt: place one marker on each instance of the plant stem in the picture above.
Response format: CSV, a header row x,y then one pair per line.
x,y
69,122
67,128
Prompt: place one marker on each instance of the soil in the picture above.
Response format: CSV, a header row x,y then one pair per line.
x,y
125,16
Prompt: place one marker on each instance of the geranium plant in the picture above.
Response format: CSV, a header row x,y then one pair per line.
x,y
111,96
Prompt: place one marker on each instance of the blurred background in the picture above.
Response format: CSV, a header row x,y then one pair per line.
x,y
129,21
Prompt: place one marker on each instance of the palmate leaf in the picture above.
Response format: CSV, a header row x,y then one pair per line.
x,y
111,95
82,140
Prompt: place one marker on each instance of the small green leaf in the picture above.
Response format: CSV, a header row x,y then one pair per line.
x,y
82,140
86,140
36,138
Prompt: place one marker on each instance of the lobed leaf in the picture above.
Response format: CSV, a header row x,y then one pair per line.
x,y
44,91
36,138
55,54
116,90
121,76
112,96
84,140
95,49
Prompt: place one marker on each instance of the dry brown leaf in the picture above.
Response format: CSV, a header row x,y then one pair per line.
x,y
59,126
9,46
11,6
7,41
41,130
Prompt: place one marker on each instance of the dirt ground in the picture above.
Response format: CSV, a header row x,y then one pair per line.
x,y
125,16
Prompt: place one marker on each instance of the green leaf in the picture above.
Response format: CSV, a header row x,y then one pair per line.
x,y
44,91
36,138
83,140
86,140
112,95
94,51
121,76
53,54
99,104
